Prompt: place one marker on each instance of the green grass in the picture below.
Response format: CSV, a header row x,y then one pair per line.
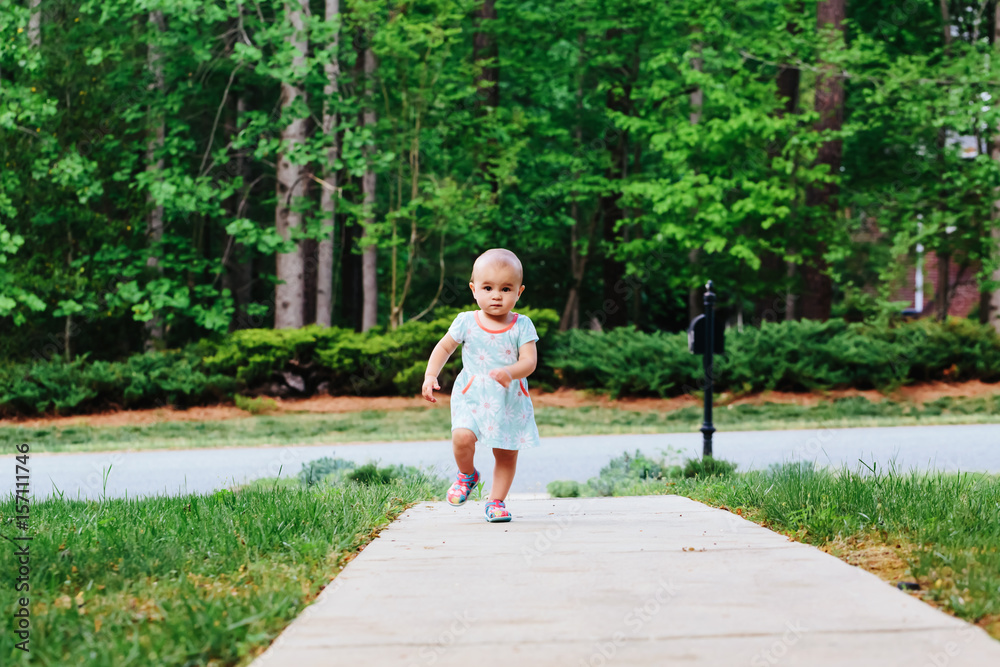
x,y
433,424
190,580
949,523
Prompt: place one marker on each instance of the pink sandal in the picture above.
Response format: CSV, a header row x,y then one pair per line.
x,y
496,511
463,486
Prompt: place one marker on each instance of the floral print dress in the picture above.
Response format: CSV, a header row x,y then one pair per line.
x,y
501,418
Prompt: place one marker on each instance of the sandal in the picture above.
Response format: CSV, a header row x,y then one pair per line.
x,y
460,490
496,511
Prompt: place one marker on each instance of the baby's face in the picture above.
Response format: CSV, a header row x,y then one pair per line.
x,y
496,289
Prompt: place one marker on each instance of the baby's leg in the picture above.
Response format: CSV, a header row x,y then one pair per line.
x,y
503,472
463,442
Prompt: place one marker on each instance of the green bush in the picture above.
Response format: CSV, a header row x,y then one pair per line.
x,y
259,405
341,361
563,489
627,474
790,356
145,380
335,471
317,470
374,363
708,467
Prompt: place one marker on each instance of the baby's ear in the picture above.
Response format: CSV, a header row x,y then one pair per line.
x,y
472,286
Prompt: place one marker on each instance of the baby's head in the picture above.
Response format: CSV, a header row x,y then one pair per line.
x,y
496,281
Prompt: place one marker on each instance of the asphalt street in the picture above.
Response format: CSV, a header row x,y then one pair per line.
x,y
137,473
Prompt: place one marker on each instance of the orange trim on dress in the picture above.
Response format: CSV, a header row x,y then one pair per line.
x,y
521,382
492,331
469,385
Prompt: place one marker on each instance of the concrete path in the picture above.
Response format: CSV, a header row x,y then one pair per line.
x,y
629,581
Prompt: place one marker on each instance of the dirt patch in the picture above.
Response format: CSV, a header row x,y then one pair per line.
x,y
563,398
810,399
931,391
887,561
883,560
916,394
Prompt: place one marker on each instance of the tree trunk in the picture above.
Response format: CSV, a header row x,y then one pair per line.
x,y
329,193
774,270
992,315
236,277
697,100
289,297
788,88
613,311
35,23
791,298
369,274
154,163
236,264
945,23
817,286
942,291
577,260
485,55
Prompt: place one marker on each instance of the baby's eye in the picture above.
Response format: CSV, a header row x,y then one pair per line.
x,y
506,289
487,288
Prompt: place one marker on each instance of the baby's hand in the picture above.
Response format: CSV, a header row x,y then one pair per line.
x,y
503,376
430,384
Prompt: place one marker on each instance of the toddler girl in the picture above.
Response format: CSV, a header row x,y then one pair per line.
x,y
489,403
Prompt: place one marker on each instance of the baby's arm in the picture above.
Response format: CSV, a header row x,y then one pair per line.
x,y
439,357
527,360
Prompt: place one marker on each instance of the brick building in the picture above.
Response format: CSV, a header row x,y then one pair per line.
x,y
920,288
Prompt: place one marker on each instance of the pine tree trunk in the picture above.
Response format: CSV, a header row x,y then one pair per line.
x,y
992,315
774,270
289,309
236,274
154,163
485,54
942,291
369,268
329,193
577,261
35,23
817,286
240,268
697,100
614,309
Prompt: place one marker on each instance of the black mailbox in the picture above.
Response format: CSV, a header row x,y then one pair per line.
x,y
696,336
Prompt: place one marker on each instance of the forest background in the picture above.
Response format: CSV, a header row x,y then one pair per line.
x,y
179,169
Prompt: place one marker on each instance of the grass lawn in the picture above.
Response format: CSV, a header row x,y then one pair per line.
x,y
190,580
433,424
939,530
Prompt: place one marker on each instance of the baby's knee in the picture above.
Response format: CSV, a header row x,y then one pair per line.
x,y
504,455
463,436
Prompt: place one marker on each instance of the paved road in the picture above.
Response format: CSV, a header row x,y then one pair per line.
x,y
644,581
974,447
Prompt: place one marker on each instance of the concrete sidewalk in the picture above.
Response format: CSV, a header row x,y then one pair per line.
x,y
630,581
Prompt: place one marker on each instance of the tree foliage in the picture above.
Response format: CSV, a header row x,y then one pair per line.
x,y
635,149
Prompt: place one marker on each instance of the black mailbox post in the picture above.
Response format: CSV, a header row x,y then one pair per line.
x,y
706,337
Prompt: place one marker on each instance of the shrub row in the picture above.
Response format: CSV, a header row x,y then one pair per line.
x,y
785,356
297,362
791,356
143,380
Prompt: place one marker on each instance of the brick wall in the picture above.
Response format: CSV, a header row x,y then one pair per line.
x,y
965,293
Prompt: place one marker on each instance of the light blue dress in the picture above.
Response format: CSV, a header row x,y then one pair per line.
x,y
501,418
